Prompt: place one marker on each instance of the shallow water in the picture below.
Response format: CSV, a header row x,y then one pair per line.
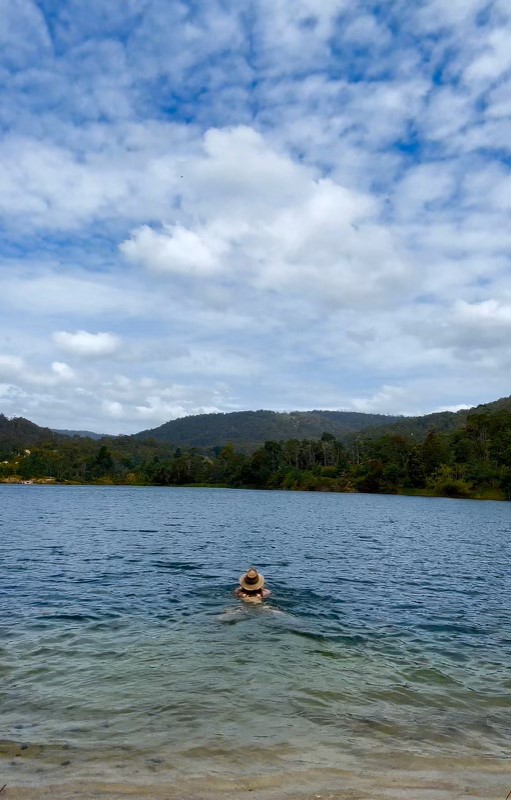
x,y
381,664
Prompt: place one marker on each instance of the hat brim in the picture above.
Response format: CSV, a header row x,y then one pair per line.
x,y
252,587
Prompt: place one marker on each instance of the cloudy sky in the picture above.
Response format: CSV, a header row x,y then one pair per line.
x,y
210,205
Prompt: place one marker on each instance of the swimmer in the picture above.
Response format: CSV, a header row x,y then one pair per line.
x,y
251,589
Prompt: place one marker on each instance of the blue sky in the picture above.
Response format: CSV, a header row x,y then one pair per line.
x,y
285,204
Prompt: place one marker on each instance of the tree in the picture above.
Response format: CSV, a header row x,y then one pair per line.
x,y
416,473
447,483
103,464
435,451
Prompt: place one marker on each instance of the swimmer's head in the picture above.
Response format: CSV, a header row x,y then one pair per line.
x,y
252,580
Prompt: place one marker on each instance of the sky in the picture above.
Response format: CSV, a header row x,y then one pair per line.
x,y
213,206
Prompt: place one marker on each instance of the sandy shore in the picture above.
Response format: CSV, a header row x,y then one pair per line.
x,y
410,779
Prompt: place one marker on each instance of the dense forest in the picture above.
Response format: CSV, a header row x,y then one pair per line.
x,y
471,462
247,430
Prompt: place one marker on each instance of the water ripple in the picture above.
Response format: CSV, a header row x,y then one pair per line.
x,y
388,625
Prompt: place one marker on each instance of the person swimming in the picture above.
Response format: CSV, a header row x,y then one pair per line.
x,y
251,588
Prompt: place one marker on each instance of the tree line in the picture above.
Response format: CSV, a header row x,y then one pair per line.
x,y
474,461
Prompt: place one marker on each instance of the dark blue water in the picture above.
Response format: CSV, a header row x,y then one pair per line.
x,y
123,651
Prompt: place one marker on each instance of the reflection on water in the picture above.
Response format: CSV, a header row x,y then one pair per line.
x,y
385,648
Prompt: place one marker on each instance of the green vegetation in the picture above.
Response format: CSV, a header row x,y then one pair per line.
x,y
442,421
20,432
247,430
471,462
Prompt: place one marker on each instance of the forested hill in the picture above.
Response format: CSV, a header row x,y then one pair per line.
x,y
250,429
81,434
247,430
20,432
442,422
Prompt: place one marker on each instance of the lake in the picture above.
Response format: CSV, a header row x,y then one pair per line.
x,y
379,668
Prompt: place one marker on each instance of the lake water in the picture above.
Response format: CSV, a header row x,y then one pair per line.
x,y
379,668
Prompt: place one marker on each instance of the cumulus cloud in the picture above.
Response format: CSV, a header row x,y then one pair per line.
x,y
63,371
268,222
176,249
51,187
87,345
23,376
113,408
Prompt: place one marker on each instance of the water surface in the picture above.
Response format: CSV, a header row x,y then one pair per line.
x,y
381,664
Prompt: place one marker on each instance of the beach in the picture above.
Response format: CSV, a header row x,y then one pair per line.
x,y
420,779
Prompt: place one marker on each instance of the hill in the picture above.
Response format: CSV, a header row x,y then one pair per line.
x,y
442,421
19,432
247,430
81,434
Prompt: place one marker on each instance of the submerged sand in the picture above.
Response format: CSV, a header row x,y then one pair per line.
x,y
385,778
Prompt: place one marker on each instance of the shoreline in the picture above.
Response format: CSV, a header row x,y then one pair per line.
x,y
495,496
383,778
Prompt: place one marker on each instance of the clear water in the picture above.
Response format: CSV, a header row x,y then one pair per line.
x,y
125,660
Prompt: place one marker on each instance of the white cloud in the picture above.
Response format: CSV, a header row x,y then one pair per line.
x,y
464,333
423,187
366,30
113,408
63,371
448,111
499,101
87,345
158,408
295,35
95,400
477,326
436,14
493,60
384,401
23,376
175,249
125,175
454,409
266,222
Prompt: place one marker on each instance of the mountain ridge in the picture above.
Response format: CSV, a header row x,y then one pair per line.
x,y
248,430
440,421
21,432
81,434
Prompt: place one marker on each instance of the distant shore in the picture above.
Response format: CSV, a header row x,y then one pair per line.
x,y
492,495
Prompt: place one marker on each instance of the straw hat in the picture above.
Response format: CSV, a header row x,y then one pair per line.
x,y
252,580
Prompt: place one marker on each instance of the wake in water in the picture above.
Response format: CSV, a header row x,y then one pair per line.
x,y
245,612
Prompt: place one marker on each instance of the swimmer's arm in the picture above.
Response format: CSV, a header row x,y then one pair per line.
x,y
266,593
